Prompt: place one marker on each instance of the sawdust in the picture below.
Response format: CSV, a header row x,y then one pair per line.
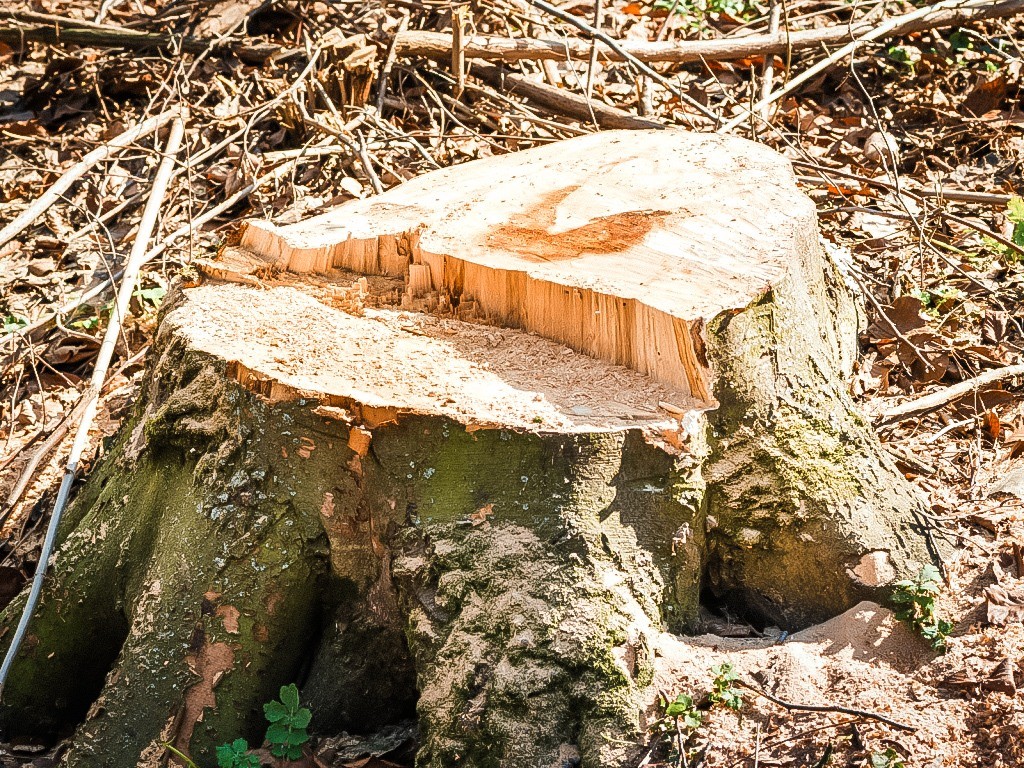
x,y
863,659
408,362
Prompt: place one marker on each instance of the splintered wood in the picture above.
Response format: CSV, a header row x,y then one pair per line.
x,y
619,245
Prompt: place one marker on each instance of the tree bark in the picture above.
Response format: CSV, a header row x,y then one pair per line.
x,y
475,506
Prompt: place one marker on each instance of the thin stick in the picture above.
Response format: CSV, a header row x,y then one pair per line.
x,y
52,440
389,62
827,708
458,50
59,30
882,30
561,101
935,193
949,394
768,73
892,326
79,169
919,196
91,396
598,19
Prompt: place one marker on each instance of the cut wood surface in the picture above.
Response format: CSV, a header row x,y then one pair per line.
x,y
614,244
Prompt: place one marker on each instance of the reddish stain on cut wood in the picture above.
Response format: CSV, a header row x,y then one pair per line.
x,y
528,234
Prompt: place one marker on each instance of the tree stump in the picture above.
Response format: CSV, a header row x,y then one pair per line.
x,y
464,449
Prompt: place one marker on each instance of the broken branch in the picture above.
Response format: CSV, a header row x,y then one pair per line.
x,y
438,45
949,394
91,396
560,101
47,28
827,708
926,16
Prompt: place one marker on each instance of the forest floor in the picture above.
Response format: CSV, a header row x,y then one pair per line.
x,y
912,148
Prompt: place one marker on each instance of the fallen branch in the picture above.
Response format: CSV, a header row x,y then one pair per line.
x,y
919,195
559,101
949,394
90,397
937,193
826,708
924,16
438,45
57,30
79,169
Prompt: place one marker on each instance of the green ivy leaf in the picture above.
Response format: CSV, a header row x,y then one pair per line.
x,y
275,711
290,697
235,755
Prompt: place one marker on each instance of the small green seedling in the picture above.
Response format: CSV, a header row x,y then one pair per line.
x,y
722,689
914,600
683,712
288,723
678,724
1015,215
236,755
888,759
13,323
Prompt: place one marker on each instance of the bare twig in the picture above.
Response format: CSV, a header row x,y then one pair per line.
x,y
52,440
183,231
437,45
826,708
561,101
58,30
598,20
389,62
885,29
768,72
918,195
616,46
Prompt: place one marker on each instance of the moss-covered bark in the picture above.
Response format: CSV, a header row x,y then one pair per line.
x,y
806,513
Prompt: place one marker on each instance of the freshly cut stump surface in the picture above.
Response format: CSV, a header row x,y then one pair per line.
x,y
466,449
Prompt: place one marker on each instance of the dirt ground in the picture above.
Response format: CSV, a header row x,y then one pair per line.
x,y
912,148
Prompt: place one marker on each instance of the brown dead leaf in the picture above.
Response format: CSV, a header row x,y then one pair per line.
x,y
990,421
1001,679
1004,605
987,94
994,326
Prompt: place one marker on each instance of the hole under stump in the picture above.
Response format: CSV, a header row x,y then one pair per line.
x,y
76,693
